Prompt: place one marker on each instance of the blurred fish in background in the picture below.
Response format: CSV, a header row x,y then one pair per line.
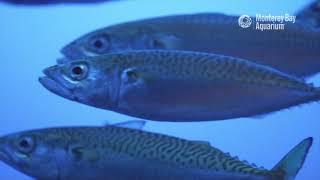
x,y
48,2
295,50
311,14
120,153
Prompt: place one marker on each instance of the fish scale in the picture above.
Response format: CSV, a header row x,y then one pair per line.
x,y
171,149
203,156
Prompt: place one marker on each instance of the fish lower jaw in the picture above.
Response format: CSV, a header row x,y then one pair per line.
x,y
5,157
54,87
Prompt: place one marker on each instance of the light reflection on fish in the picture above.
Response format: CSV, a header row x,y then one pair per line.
x,y
295,50
111,152
177,85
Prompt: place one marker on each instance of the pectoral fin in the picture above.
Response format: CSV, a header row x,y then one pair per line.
x,y
82,153
136,76
165,41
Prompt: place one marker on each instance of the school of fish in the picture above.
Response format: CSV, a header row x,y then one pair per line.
x,y
178,68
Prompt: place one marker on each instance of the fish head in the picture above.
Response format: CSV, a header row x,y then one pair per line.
x,y
128,36
27,153
98,42
85,81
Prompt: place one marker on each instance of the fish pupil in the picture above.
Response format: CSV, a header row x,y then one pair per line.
x,y
24,144
132,76
98,44
77,153
77,70
158,44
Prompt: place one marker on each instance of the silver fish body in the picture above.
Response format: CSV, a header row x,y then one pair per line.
x,y
177,86
100,153
294,50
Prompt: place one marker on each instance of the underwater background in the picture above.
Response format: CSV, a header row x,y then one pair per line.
x,y
30,40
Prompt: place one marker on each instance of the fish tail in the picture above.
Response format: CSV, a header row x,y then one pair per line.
x,y
290,165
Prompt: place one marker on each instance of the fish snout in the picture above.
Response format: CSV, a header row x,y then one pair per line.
x,y
72,52
50,71
54,82
62,60
50,75
4,155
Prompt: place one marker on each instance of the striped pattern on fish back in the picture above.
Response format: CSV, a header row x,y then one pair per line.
x,y
194,65
166,149
153,146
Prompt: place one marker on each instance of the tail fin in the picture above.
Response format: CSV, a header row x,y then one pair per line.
x,y
293,161
310,14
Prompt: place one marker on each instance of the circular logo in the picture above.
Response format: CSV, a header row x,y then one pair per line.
x,y
244,21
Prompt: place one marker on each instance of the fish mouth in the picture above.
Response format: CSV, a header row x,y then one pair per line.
x,y
4,156
51,83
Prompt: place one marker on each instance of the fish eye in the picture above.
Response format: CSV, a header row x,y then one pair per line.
x,y
26,144
100,44
157,44
79,72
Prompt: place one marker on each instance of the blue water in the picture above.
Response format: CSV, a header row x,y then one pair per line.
x,y
30,40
